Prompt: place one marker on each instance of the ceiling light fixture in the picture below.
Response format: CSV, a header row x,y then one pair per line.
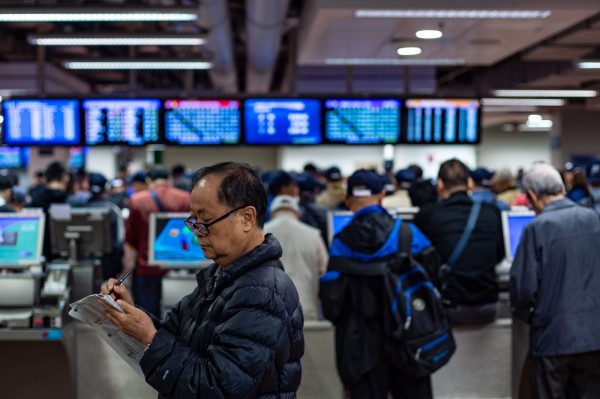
x,y
588,65
96,15
466,14
546,93
395,61
167,65
409,51
518,102
429,34
116,40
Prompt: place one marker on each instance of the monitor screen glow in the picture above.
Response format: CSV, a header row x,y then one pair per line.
x,y
41,122
12,158
21,237
362,121
282,121
121,121
171,243
202,122
442,121
513,224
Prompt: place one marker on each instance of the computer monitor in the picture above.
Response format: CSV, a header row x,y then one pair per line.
x,y
13,157
442,121
513,224
21,239
88,229
278,121
41,122
337,220
362,121
202,122
171,244
121,121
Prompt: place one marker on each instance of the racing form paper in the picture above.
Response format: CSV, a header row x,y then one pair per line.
x,y
90,311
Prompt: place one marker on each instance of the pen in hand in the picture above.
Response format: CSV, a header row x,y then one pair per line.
x,y
120,281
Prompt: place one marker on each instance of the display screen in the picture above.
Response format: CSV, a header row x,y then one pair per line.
x,y
514,225
442,121
12,158
121,121
21,239
41,122
282,121
336,221
77,157
202,122
174,243
355,121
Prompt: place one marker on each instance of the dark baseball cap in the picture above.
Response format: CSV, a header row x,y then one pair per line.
x,y
333,174
97,182
482,177
364,183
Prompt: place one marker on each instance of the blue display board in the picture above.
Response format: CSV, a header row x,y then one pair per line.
x,y
13,157
282,121
121,121
41,122
362,121
202,122
442,121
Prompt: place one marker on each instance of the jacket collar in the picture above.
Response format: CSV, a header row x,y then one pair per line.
x,y
558,204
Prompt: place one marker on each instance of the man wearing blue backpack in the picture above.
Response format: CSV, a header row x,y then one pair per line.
x,y
353,294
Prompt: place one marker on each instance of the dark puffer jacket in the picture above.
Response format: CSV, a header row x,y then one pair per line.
x,y
238,335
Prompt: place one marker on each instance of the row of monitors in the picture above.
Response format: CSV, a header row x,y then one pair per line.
x,y
263,121
513,223
18,157
171,243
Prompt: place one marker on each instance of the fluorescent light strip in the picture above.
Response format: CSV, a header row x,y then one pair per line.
x,y
96,15
467,14
394,61
115,41
518,102
546,93
103,65
527,108
588,65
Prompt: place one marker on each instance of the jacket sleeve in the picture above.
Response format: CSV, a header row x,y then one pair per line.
x,y
524,275
252,330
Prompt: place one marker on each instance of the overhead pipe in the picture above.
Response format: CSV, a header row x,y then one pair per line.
x,y
265,21
214,16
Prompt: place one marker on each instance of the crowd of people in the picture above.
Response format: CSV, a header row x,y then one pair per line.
x,y
291,225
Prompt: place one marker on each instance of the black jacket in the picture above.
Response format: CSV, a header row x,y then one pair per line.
x,y
473,280
43,200
238,335
556,272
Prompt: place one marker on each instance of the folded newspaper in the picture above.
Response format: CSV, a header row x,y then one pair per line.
x,y
90,311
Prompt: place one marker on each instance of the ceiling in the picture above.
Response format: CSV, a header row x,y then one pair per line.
x,y
253,44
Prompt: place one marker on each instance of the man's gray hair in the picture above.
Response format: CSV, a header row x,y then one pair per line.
x,y
544,180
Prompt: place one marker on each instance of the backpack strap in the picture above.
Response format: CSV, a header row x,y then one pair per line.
x,y
405,236
156,201
464,238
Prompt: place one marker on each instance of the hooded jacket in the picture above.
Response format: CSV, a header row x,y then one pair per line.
x,y
238,335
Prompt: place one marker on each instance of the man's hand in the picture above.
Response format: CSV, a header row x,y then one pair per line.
x,y
133,322
118,291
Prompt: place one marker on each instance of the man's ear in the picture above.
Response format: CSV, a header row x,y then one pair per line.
x,y
248,217
470,184
440,186
531,196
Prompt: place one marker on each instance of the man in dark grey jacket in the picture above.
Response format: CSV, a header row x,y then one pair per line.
x,y
239,334
554,284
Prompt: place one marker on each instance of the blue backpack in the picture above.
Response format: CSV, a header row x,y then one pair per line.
x,y
420,336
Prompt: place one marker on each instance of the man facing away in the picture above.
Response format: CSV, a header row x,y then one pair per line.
x,y
239,334
162,197
355,303
554,283
304,253
471,287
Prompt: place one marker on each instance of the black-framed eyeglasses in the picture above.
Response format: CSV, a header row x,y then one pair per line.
x,y
202,228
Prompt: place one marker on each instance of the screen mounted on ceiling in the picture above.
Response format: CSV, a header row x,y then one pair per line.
x,y
282,121
362,121
202,122
41,122
442,121
121,121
